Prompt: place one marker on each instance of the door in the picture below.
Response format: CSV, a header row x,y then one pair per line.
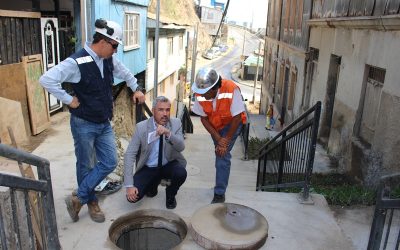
x,y
50,52
333,76
373,91
311,67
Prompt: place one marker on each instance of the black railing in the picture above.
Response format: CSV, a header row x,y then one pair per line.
x,y
385,229
245,135
184,115
17,230
286,161
142,112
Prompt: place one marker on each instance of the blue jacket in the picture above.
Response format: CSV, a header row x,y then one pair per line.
x,y
93,92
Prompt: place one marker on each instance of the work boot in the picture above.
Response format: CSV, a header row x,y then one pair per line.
x,y
95,212
170,202
73,207
218,198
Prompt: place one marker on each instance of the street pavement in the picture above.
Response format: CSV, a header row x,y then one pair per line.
x,y
292,225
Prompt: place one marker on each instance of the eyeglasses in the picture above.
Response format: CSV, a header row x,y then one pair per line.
x,y
114,45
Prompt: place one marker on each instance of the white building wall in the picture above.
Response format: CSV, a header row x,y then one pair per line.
x,y
168,66
358,48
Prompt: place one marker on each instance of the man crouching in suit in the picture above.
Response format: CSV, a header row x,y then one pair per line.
x,y
159,131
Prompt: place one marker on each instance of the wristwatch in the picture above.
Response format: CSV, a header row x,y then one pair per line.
x,y
139,88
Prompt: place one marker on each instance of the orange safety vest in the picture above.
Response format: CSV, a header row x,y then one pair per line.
x,y
222,115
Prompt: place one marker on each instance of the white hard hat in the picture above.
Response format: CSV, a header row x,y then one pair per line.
x,y
206,78
109,29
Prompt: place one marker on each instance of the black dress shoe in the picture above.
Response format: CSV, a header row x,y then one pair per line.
x,y
218,198
152,193
170,203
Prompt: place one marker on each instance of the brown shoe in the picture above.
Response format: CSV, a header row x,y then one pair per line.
x,y
95,212
73,207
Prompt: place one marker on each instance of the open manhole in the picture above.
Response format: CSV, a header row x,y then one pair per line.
x,y
148,229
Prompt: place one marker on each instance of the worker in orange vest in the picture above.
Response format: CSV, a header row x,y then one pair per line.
x,y
219,103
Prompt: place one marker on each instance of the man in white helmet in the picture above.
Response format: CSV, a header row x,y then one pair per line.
x,y
220,106
91,72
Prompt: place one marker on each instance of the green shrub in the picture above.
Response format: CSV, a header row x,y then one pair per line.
x,y
346,195
254,146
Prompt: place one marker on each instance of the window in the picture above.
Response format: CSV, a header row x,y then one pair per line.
x,y
281,78
180,42
170,45
131,31
150,48
300,14
287,15
292,13
292,89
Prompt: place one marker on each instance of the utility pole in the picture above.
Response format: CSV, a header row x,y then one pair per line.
x,y
244,40
155,88
256,76
194,56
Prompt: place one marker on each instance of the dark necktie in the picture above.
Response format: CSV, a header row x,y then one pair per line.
x,y
160,151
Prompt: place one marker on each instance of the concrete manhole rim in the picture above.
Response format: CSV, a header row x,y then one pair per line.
x,y
148,218
211,241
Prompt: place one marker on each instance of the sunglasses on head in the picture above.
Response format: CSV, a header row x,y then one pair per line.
x,y
114,45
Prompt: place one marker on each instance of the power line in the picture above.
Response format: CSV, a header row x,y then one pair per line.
x,y
221,22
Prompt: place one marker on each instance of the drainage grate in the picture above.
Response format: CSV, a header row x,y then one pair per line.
x,y
148,229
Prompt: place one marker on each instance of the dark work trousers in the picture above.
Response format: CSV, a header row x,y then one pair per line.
x,y
147,179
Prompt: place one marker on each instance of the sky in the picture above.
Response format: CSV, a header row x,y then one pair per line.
x,y
246,10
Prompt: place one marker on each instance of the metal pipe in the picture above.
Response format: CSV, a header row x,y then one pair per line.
x,y
155,88
194,56
256,76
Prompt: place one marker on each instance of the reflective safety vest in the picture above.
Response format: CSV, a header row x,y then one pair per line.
x,y
221,116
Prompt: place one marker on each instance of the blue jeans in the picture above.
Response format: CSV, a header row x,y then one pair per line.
x,y
223,164
92,141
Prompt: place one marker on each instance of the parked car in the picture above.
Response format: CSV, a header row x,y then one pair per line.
x,y
211,53
223,48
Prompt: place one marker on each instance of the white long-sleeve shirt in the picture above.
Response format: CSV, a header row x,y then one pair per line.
x,y
68,71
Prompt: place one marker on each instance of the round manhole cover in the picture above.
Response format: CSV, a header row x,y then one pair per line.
x,y
229,226
192,170
148,229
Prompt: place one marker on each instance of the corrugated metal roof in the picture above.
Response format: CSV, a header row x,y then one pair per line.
x,y
252,61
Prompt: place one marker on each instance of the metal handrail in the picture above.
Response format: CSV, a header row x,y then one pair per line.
x,y
245,134
47,220
287,160
385,211
142,112
184,116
